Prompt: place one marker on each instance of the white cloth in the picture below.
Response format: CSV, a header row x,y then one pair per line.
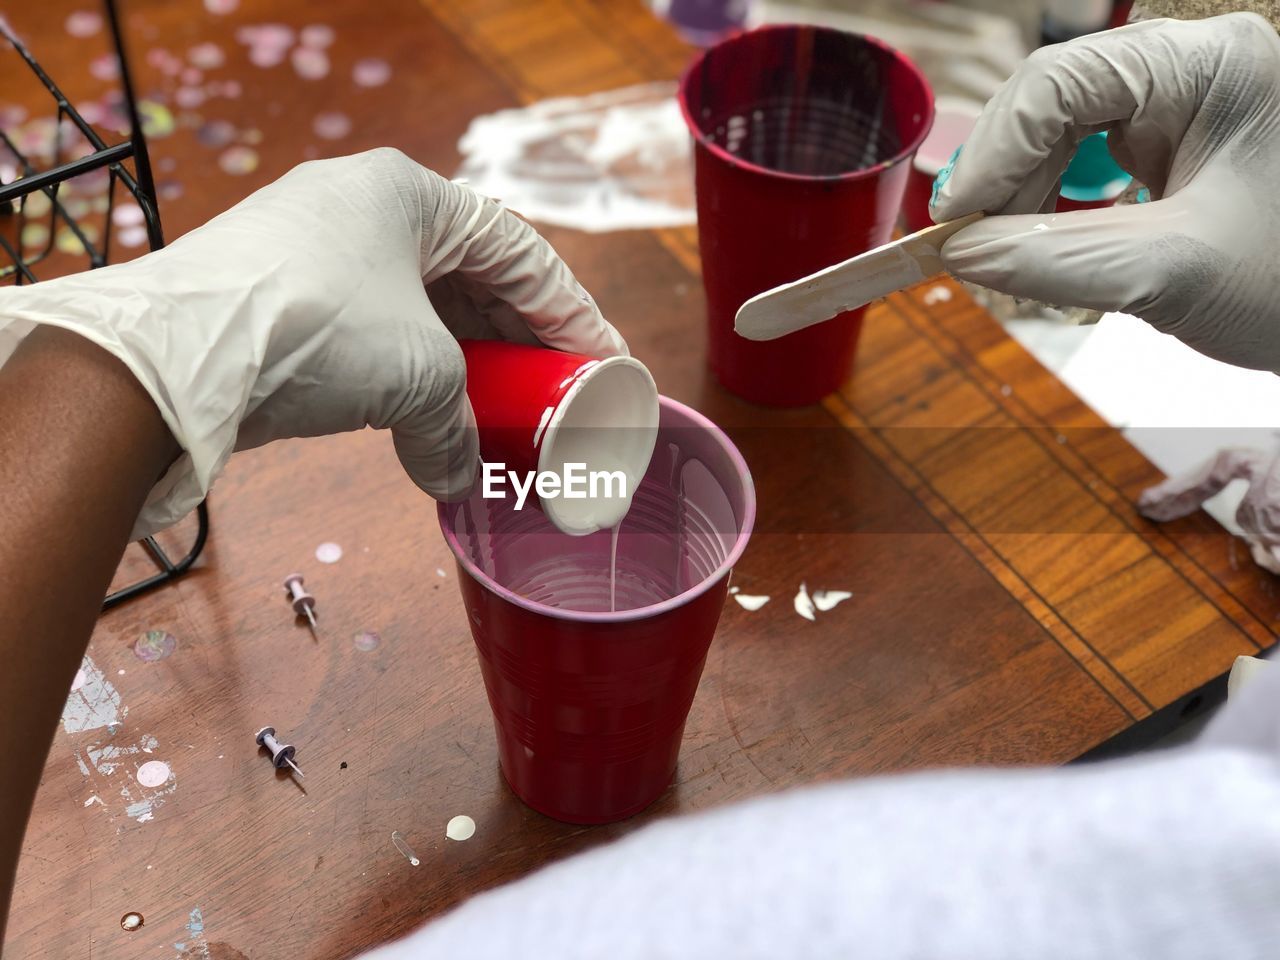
x,y
1169,856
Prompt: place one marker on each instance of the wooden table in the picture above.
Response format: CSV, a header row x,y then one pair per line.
x,y
1009,606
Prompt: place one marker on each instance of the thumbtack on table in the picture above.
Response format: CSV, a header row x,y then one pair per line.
x,y
303,603
281,753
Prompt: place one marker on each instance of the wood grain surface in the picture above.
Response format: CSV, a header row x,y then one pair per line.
x,y
1009,606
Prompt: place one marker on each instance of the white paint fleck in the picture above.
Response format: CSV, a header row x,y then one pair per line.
x,y
153,773
733,589
93,703
329,552
824,600
749,602
440,572
460,827
804,603
938,294
120,672
93,799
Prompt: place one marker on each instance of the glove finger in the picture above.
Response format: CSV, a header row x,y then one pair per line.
x,y
435,433
1179,496
496,250
1066,91
1100,259
471,311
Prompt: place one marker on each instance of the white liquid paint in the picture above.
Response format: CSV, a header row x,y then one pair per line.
x,y
804,603
938,294
615,160
613,567
460,827
825,600
749,602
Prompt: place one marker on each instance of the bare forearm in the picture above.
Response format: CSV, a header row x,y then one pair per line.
x,y
81,443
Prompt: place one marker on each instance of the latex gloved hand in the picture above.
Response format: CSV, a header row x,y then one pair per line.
x,y
1193,112
303,311
1259,511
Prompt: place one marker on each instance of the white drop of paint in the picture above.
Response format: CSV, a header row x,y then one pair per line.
x,y
329,552
733,589
460,827
749,602
804,603
824,600
440,572
938,294
153,773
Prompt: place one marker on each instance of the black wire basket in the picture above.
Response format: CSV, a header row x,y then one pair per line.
x,y
21,207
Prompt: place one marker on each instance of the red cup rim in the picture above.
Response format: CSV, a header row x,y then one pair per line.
x,y
637,613
696,130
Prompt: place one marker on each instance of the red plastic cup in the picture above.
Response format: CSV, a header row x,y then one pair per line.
x,y
953,122
537,409
589,704
802,142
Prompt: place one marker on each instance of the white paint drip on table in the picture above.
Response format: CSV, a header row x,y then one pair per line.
x,y
93,703
460,828
615,160
749,601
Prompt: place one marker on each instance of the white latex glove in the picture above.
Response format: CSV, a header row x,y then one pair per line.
x,y
1259,512
302,311
1193,112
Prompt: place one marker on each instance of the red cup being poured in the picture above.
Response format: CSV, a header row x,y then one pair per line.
x,y
562,418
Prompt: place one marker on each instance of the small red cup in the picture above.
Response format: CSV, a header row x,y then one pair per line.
x,y
802,140
537,409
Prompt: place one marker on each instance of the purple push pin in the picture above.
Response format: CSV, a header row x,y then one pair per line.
x,y
303,603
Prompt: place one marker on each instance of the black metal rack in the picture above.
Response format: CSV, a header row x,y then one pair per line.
x,y
14,208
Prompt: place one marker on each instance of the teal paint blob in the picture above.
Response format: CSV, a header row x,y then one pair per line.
x,y
1092,175
944,175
